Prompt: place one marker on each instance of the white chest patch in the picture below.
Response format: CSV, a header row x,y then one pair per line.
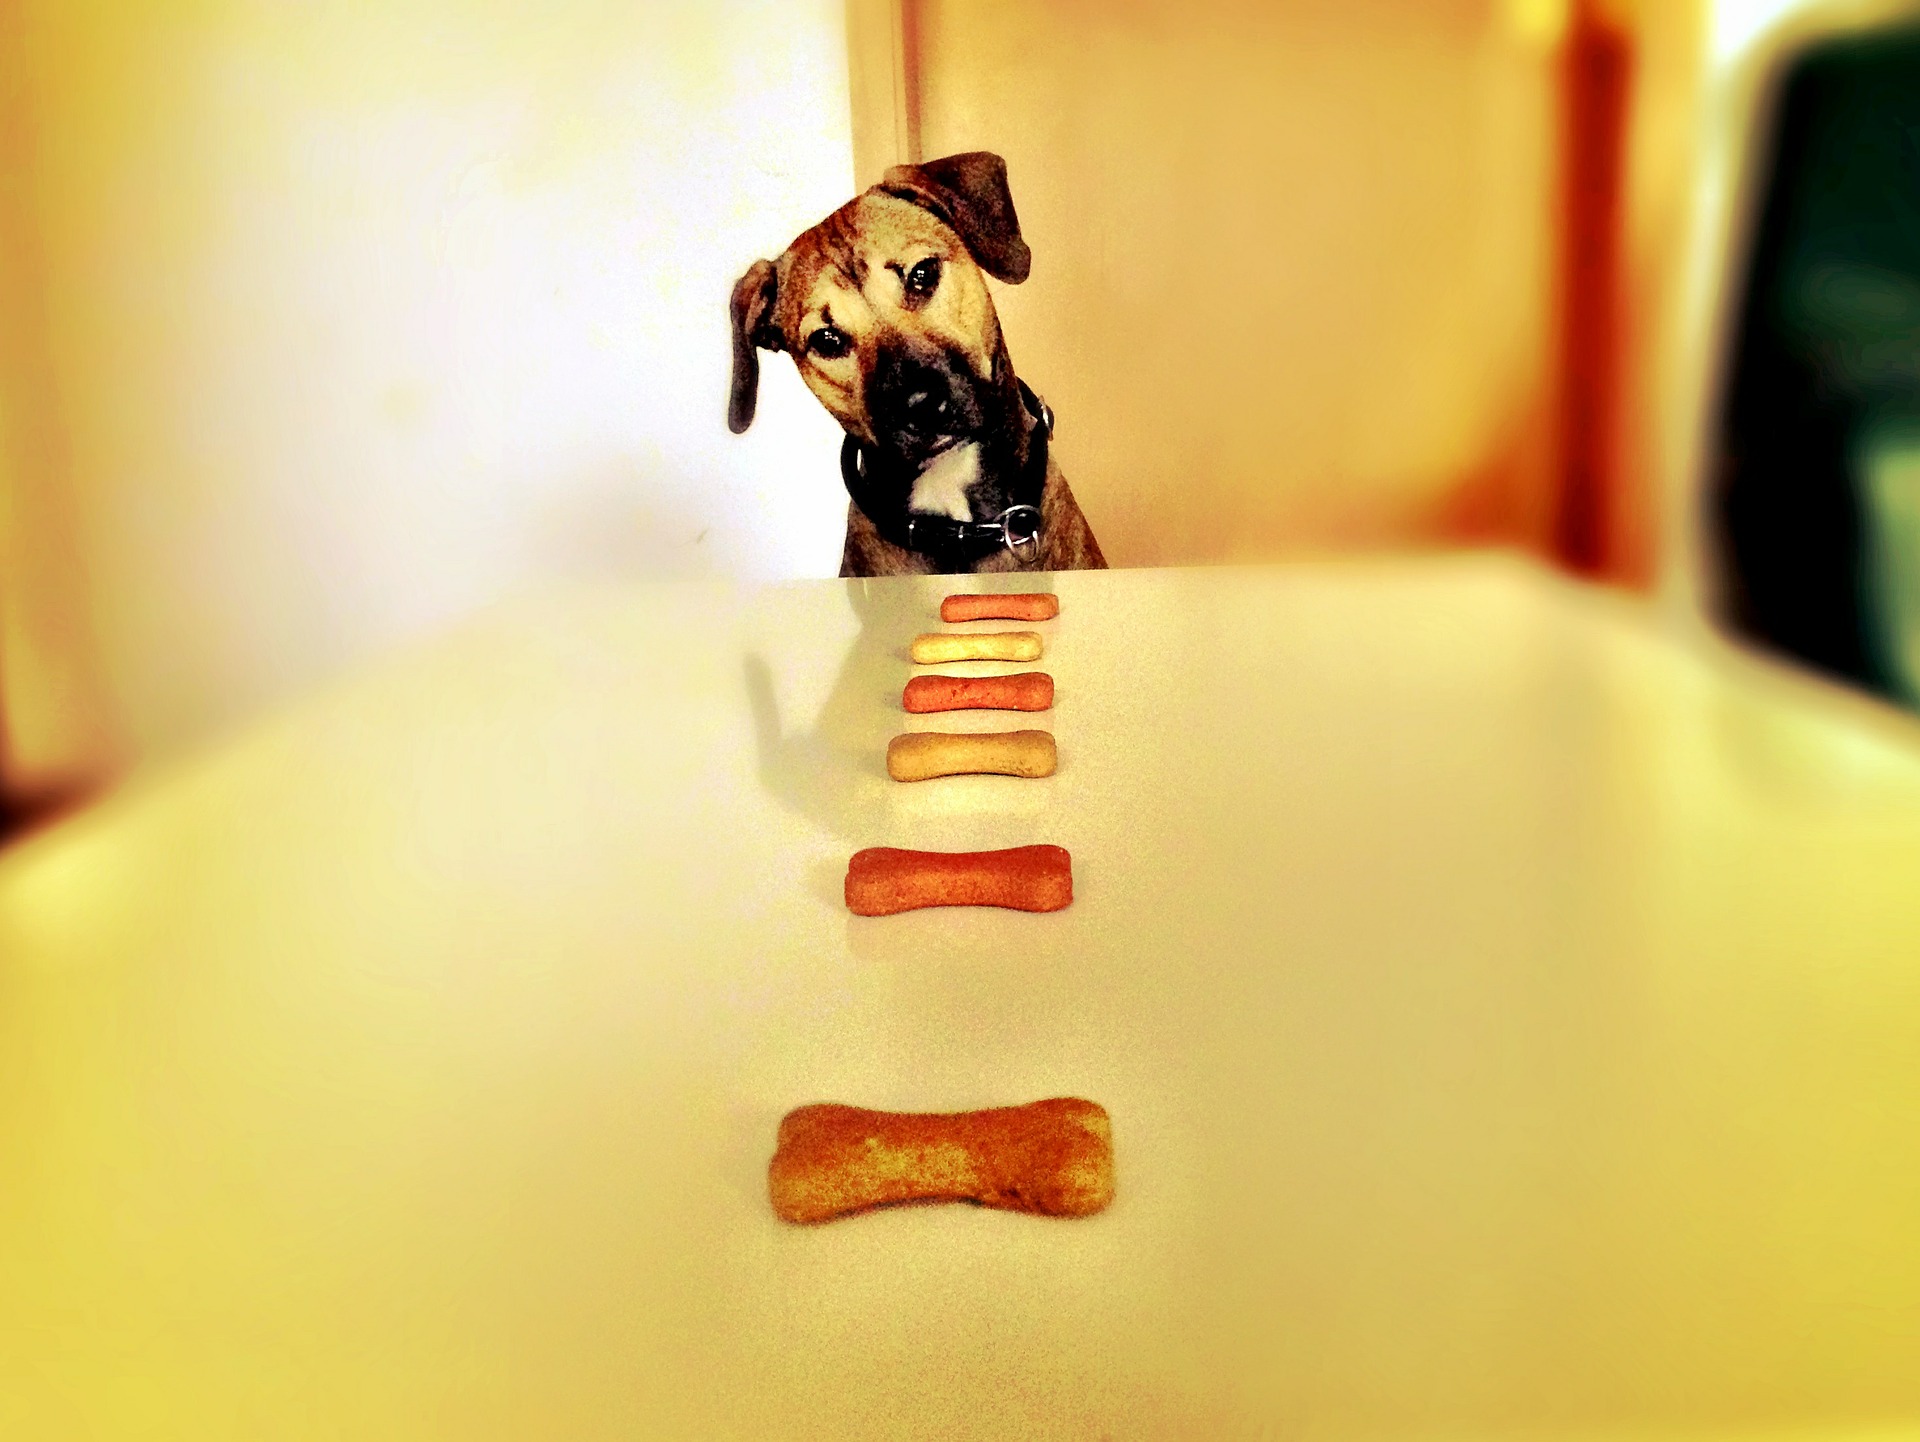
x,y
941,489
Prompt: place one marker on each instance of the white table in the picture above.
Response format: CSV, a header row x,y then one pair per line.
x,y
1510,1019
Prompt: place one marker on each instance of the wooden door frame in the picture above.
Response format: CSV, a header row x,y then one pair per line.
x,y
883,83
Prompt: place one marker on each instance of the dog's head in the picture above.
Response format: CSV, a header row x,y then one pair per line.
x,y
884,308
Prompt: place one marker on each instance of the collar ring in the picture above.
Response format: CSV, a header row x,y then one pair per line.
x,y
1020,526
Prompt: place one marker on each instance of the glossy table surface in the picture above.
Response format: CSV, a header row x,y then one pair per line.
x,y
1509,1014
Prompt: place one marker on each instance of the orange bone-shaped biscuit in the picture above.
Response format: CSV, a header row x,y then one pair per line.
x,y
1030,606
884,879
1052,1157
1022,691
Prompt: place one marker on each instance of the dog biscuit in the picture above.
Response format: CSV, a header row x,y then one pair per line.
x,y
1031,606
883,880
1022,691
923,755
937,646
1054,1158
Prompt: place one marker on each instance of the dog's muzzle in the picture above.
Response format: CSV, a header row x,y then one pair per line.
x,y
954,545
919,402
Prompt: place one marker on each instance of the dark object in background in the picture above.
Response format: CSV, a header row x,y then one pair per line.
x,y
1817,491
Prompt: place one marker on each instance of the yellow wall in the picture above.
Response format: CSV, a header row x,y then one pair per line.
x,y
1660,216
1293,262
324,324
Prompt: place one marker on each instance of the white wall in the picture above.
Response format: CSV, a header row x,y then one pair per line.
x,y
354,318
1739,24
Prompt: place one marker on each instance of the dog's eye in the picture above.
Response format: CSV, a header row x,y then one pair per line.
x,y
924,278
828,343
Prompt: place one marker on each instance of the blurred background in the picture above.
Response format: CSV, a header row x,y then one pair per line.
x,y
324,326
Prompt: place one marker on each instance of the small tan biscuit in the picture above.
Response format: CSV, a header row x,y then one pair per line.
x,y
1022,691
1031,606
1052,1157
885,879
938,646
923,755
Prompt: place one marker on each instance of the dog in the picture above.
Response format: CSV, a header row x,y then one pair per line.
x,y
885,310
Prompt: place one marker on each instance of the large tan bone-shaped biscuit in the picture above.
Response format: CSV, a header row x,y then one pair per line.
x,y
940,646
1052,1157
882,880
1026,606
923,755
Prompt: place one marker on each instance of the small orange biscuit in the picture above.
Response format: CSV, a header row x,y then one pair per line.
x,y
1052,1157
1023,691
883,880
1030,606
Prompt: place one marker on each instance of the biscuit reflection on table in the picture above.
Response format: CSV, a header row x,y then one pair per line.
x,y
1051,1157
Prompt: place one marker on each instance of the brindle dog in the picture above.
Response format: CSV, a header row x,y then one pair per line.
x,y
884,308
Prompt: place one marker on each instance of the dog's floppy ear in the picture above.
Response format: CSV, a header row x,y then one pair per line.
x,y
753,296
969,192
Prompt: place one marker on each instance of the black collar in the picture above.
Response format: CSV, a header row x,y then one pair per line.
x,y
953,545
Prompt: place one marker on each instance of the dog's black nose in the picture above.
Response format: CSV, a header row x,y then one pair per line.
x,y
911,397
923,410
